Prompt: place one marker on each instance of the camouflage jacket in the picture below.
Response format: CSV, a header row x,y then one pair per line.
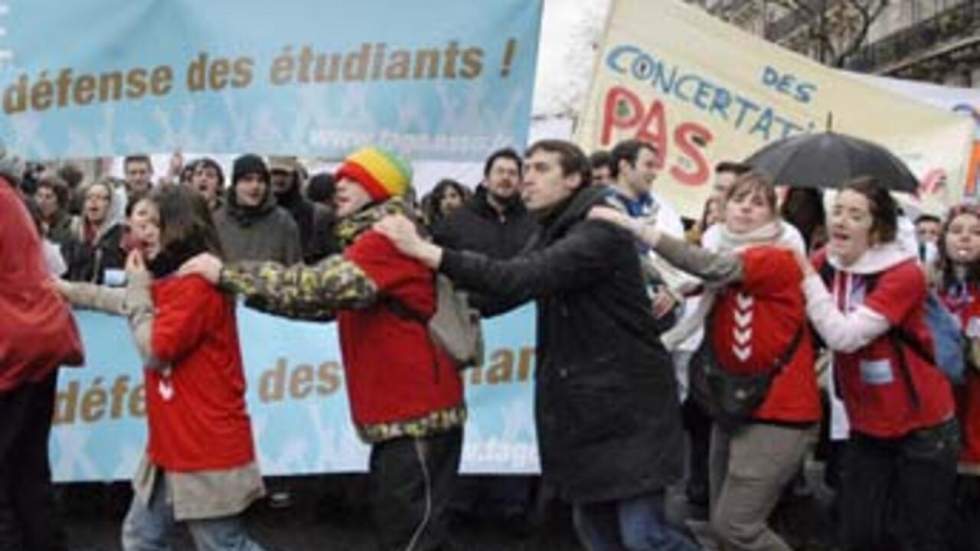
x,y
398,382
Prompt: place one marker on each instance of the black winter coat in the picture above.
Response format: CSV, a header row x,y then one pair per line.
x,y
315,225
606,405
477,227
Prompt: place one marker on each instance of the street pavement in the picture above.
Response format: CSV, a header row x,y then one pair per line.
x,y
329,513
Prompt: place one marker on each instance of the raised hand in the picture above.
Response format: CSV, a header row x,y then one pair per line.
x,y
402,233
135,265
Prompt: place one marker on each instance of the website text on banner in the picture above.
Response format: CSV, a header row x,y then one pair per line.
x,y
704,91
434,79
296,398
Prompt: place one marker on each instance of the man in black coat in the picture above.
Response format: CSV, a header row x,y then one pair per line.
x,y
494,221
606,407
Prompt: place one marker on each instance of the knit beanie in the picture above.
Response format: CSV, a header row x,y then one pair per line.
x,y
382,173
249,164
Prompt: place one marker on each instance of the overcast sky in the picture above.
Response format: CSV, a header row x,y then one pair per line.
x,y
565,54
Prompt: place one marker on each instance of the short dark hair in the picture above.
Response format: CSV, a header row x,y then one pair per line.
x,y
627,150
321,187
571,158
732,167
208,162
138,158
927,218
505,153
57,186
599,159
884,209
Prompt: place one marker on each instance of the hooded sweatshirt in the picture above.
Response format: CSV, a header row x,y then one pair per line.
x,y
263,232
880,398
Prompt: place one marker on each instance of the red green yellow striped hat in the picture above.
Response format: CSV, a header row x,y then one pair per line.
x,y
382,173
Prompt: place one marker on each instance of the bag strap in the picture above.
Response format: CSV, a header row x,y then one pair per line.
x,y
896,335
896,339
402,311
787,356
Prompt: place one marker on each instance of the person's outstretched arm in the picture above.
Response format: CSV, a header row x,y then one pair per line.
x,y
577,260
299,292
714,267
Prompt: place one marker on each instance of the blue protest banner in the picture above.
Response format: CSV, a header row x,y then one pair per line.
x,y
433,79
296,398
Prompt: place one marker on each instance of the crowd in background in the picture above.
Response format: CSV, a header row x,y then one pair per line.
x,y
769,279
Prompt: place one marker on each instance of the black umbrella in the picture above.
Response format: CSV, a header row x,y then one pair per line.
x,y
829,159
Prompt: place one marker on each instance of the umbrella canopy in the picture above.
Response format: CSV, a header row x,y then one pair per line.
x,y
829,159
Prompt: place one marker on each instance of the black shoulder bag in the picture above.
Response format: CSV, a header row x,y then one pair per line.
x,y
732,398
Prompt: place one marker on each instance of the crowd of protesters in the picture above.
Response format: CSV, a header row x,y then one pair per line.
x,y
642,319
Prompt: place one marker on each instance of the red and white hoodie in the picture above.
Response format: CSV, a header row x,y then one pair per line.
x,y
854,322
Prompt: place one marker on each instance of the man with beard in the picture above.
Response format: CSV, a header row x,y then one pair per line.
x,y
250,224
313,220
494,221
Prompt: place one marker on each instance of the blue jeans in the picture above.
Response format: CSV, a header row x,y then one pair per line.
x,y
633,524
148,528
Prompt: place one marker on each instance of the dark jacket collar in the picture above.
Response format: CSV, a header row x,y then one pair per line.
x,y
246,216
574,210
480,203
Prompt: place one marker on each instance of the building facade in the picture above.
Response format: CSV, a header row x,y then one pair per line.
x,y
930,40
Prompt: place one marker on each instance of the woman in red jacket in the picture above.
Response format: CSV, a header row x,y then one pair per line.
x,y
757,319
899,467
200,464
958,285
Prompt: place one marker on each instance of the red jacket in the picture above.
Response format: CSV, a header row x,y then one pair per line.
x,y
394,372
197,414
37,330
966,306
876,392
754,322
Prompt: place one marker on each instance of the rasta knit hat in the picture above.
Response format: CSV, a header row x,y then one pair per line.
x,y
382,173
249,164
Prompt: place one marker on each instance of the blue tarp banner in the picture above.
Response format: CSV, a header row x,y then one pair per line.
x,y
432,79
296,398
